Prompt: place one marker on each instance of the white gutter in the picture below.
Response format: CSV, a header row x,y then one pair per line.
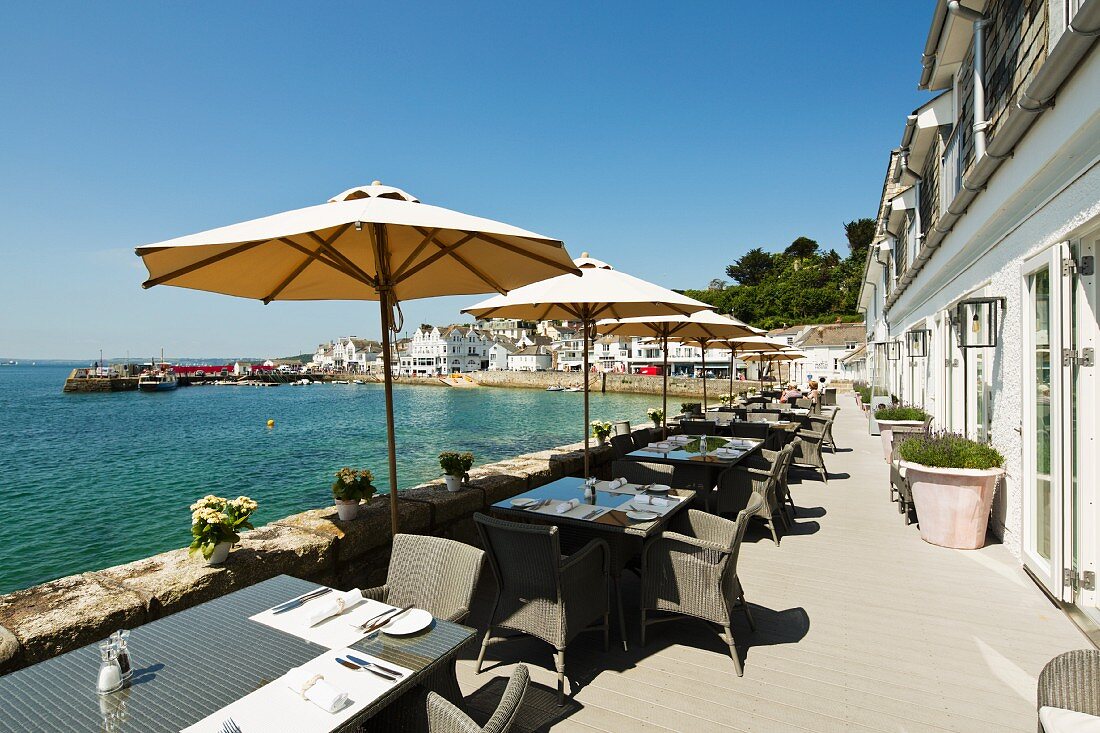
x,y
928,58
1074,45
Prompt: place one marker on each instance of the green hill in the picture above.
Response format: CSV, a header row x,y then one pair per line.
x,y
799,285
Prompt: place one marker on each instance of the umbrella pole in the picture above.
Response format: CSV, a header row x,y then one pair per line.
x,y
733,350
664,387
586,399
703,345
387,356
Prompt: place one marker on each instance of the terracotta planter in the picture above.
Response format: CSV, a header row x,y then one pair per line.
x,y
952,503
886,433
348,509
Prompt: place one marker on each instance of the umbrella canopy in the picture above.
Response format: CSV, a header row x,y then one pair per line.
x,y
788,354
757,343
599,292
701,327
368,243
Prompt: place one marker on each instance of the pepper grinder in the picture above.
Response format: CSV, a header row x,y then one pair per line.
x,y
120,638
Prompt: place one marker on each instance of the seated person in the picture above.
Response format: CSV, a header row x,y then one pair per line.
x,y
814,394
790,394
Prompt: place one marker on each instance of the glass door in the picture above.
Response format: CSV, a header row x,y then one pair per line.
x,y
1041,481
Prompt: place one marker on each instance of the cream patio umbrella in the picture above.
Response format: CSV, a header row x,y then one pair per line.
x,y
701,327
601,291
773,357
757,343
368,243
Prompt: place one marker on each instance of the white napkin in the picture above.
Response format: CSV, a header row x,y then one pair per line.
x,y
653,500
336,605
313,687
616,483
663,445
1058,720
565,506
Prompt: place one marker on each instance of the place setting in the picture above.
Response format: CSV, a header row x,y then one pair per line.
x,y
336,619
320,695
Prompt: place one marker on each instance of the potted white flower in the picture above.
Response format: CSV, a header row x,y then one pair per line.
x,y
601,429
349,489
691,408
215,522
656,415
953,480
901,415
456,467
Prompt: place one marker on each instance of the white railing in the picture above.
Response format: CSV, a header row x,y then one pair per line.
x,y
951,172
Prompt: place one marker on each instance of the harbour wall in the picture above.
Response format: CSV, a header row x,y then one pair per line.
x,y
65,614
614,382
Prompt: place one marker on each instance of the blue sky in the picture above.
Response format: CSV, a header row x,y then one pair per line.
x,y
665,138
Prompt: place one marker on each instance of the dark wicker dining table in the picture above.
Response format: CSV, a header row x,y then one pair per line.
x,y
623,535
195,662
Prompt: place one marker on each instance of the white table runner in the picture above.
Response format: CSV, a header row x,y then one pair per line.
x,y
275,707
577,512
335,632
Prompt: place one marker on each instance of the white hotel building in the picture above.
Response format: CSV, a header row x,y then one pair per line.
x,y
980,291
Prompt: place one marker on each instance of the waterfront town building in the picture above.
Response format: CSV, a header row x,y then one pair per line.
x,y
499,353
434,351
508,328
980,290
530,359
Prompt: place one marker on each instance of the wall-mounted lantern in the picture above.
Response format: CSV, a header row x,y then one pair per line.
x,y
975,321
916,342
893,350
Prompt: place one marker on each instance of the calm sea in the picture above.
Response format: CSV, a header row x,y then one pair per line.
x,y
93,480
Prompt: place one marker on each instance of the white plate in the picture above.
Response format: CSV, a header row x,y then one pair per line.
x,y
658,489
522,502
409,622
642,516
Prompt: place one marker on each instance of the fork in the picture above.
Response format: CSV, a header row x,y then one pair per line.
x,y
230,727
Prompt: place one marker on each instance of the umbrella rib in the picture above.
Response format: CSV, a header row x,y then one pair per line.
x,y
341,257
481,275
572,269
334,264
428,238
443,252
202,263
292,276
546,312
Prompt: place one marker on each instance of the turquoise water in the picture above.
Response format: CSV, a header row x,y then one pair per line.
x,y
93,480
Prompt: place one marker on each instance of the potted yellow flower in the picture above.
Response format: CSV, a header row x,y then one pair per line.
x,y
215,523
349,489
601,429
455,468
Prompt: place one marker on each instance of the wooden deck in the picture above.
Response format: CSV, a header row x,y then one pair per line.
x,y
861,626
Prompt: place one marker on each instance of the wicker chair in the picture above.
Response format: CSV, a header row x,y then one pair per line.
x,y
755,430
432,573
1071,681
424,711
622,444
640,472
539,592
808,452
698,427
825,425
757,475
782,487
691,570
641,437
900,490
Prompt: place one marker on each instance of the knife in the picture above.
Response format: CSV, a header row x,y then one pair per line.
x,y
383,621
349,665
295,602
376,665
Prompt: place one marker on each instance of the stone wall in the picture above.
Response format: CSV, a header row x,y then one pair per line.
x,y
68,613
629,383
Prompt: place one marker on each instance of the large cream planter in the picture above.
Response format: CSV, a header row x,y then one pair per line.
x,y
952,503
886,434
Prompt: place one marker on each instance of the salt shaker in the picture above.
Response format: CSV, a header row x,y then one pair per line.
x,y
110,674
590,488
